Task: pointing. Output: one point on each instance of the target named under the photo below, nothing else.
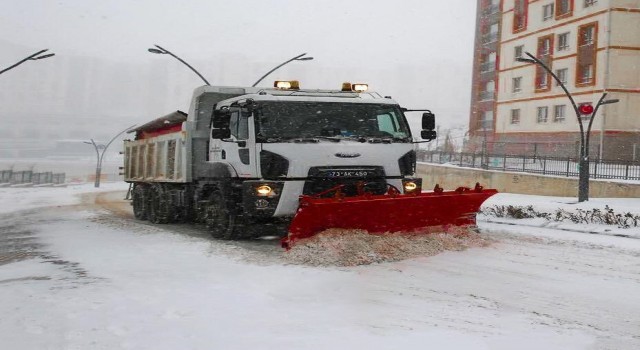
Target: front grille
(323, 178)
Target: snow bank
(569, 204)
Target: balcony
(491, 10)
(489, 38)
(487, 95)
(488, 67)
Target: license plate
(346, 173)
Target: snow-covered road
(75, 275)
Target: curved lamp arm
(162, 50)
(297, 58)
(29, 58)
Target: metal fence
(29, 177)
(545, 165)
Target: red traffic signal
(585, 108)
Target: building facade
(593, 46)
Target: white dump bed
(159, 151)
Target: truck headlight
(260, 198)
(412, 185)
(264, 191)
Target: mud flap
(392, 212)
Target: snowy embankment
(97, 281)
(551, 205)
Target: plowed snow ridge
(337, 247)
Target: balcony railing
(491, 10)
(487, 95)
(489, 38)
(488, 67)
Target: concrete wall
(450, 177)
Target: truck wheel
(159, 205)
(140, 202)
(219, 217)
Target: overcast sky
(427, 36)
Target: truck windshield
(276, 121)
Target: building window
(562, 75)
(564, 8)
(487, 120)
(543, 114)
(543, 80)
(545, 51)
(545, 46)
(488, 93)
(520, 13)
(515, 116)
(588, 3)
(517, 84)
(587, 54)
(559, 113)
(517, 51)
(547, 12)
(586, 35)
(491, 35)
(585, 74)
(563, 41)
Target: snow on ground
(94, 281)
(13, 199)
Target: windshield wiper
(330, 138)
(269, 139)
(314, 139)
(377, 139)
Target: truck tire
(159, 205)
(140, 202)
(220, 217)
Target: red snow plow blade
(390, 212)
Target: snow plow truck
(249, 161)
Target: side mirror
(221, 119)
(220, 133)
(428, 121)
(428, 135)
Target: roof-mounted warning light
(355, 87)
(286, 84)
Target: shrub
(580, 216)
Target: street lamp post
(100, 155)
(297, 58)
(162, 51)
(36, 56)
(583, 164)
(485, 157)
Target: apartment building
(592, 46)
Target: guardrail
(545, 165)
(28, 177)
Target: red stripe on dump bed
(158, 132)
